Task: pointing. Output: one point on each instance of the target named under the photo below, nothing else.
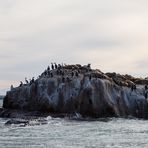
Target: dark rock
(16, 121)
(91, 93)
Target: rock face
(79, 89)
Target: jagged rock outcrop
(79, 89)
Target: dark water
(65, 133)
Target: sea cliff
(72, 89)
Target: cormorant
(45, 72)
(52, 66)
(21, 83)
(59, 66)
(89, 66)
(26, 81)
(56, 66)
(33, 80)
(48, 68)
(11, 87)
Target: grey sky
(110, 34)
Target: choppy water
(64, 133)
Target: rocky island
(76, 89)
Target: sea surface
(65, 133)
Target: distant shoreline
(1, 97)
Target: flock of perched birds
(67, 72)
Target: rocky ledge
(76, 89)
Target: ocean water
(65, 133)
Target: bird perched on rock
(56, 66)
(33, 80)
(21, 83)
(52, 66)
(26, 81)
(59, 66)
(45, 72)
(48, 68)
(89, 66)
(11, 87)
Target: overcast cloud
(110, 34)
